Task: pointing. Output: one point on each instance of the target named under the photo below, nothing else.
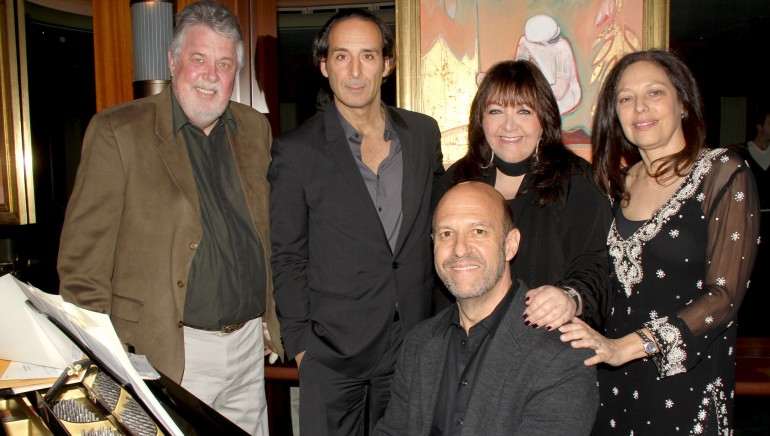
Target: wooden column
(114, 70)
(114, 62)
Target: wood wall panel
(114, 69)
(264, 49)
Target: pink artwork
(574, 42)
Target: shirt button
(180, 324)
(464, 382)
(379, 209)
(464, 342)
(395, 265)
(180, 284)
(193, 245)
(460, 421)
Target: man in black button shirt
(476, 368)
(167, 227)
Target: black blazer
(337, 282)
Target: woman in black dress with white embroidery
(682, 242)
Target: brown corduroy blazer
(133, 223)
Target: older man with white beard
(167, 228)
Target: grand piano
(101, 393)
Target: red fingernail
(548, 328)
(534, 325)
(525, 316)
(526, 322)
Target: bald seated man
(475, 368)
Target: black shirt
(226, 283)
(464, 358)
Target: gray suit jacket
(530, 383)
(133, 222)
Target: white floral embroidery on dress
(670, 360)
(709, 319)
(715, 401)
(735, 236)
(674, 233)
(721, 281)
(626, 253)
(739, 196)
(660, 273)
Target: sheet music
(27, 336)
(95, 331)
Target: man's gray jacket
(530, 383)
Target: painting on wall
(573, 42)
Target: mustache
(454, 260)
(207, 86)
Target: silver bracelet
(575, 295)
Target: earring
(537, 147)
(684, 114)
(490, 161)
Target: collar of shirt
(180, 118)
(353, 135)
(761, 157)
(492, 321)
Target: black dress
(682, 274)
(564, 243)
(751, 316)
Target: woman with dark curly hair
(683, 242)
(515, 145)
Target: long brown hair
(611, 147)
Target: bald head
(467, 194)
(474, 239)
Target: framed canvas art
(445, 47)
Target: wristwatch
(572, 293)
(649, 347)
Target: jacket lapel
(431, 368)
(173, 152)
(337, 147)
(494, 372)
(411, 192)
